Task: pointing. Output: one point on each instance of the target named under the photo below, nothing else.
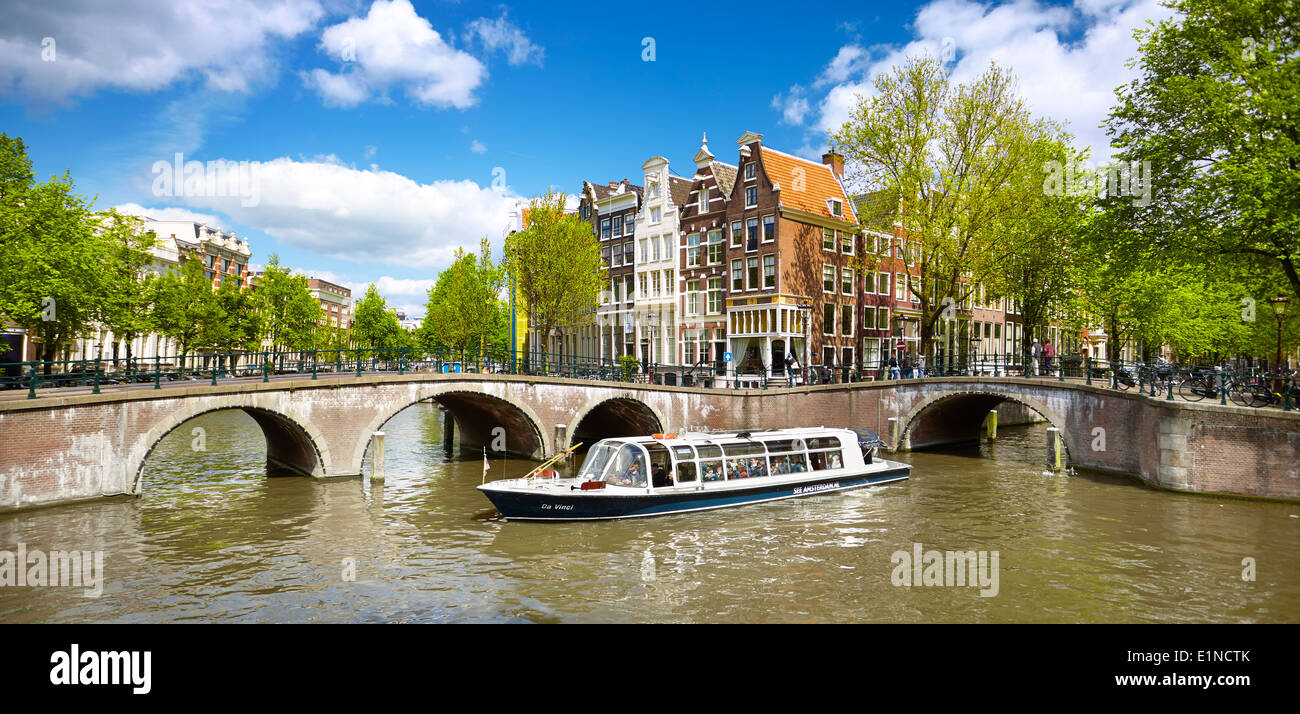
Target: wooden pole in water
(992, 423)
(1055, 449)
(448, 431)
(377, 456)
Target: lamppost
(653, 320)
(974, 349)
(1280, 304)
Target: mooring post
(561, 442)
(448, 431)
(377, 456)
(1055, 449)
(992, 423)
(895, 439)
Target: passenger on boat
(661, 478)
(631, 477)
(711, 473)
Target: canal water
(214, 539)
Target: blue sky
(386, 134)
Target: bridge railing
(1241, 384)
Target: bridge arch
(476, 414)
(609, 417)
(962, 412)
(293, 446)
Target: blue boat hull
(544, 506)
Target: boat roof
(865, 437)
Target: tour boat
(675, 473)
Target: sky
(366, 141)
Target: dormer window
(837, 207)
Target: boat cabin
(698, 460)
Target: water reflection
(214, 539)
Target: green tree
(52, 281)
(128, 301)
(1031, 257)
(376, 327)
(186, 309)
(1214, 111)
(289, 314)
(465, 308)
(555, 265)
(950, 151)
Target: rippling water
(214, 539)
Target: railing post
(1223, 388)
(400, 351)
(157, 371)
(36, 374)
(1286, 394)
(1170, 396)
(96, 390)
(1087, 369)
(213, 365)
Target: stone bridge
(61, 448)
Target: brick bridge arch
(938, 418)
(476, 414)
(292, 445)
(609, 417)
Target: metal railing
(1244, 385)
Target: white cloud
(168, 213)
(392, 45)
(370, 215)
(501, 34)
(477, 147)
(1065, 75)
(793, 106)
(55, 51)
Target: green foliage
(1213, 111)
(376, 326)
(555, 265)
(185, 307)
(465, 308)
(627, 365)
(958, 150)
(289, 312)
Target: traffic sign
(726, 356)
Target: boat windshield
(597, 459)
(628, 467)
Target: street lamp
(1280, 304)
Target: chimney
(836, 162)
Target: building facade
(657, 235)
(612, 209)
(701, 260)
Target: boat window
(743, 447)
(710, 451)
(782, 446)
(825, 453)
(661, 467)
(628, 467)
(596, 460)
(685, 457)
(789, 464)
